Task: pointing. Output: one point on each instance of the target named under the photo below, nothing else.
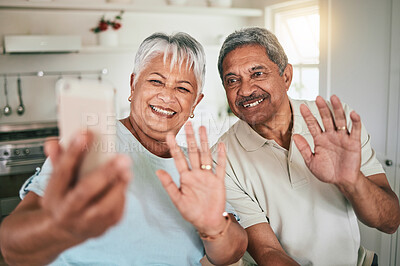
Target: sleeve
(38, 182)
(245, 205)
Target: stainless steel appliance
(21, 153)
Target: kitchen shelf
(243, 12)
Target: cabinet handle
(389, 162)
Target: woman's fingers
(205, 153)
(66, 168)
(192, 146)
(220, 171)
(177, 154)
(95, 184)
(169, 186)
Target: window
(296, 24)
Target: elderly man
(299, 172)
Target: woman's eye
(183, 89)
(156, 82)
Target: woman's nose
(167, 94)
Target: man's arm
(71, 210)
(265, 248)
(374, 202)
(337, 160)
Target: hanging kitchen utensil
(7, 109)
(20, 108)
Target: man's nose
(247, 88)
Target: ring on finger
(341, 128)
(206, 166)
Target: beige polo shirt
(313, 221)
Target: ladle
(20, 108)
(7, 109)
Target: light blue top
(151, 232)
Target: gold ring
(206, 166)
(340, 128)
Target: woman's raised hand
(201, 196)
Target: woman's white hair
(180, 47)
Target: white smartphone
(88, 105)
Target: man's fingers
(340, 117)
(310, 120)
(169, 185)
(304, 148)
(220, 171)
(177, 154)
(356, 127)
(192, 146)
(326, 115)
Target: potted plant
(106, 30)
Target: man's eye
(258, 74)
(232, 81)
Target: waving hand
(337, 153)
(201, 195)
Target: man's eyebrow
(230, 74)
(257, 68)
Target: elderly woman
(106, 218)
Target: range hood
(42, 43)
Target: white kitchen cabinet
(187, 9)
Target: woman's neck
(157, 147)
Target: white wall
(356, 54)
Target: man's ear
(199, 98)
(287, 76)
(131, 82)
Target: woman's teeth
(162, 111)
(253, 103)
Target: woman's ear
(132, 81)
(287, 76)
(199, 98)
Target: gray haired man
(299, 173)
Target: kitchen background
(346, 47)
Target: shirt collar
(251, 140)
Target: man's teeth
(162, 111)
(252, 104)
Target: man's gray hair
(258, 36)
(179, 47)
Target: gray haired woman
(107, 218)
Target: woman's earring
(130, 98)
(191, 116)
